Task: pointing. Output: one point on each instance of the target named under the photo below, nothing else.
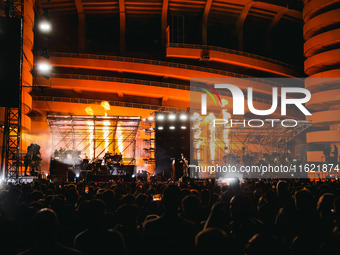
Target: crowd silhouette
(198, 216)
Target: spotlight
(172, 127)
(160, 128)
(44, 67)
(183, 117)
(144, 119)
(172, 116)
(150, 129)
(160, 117)
(133, 176)
(45, 26)
(151, 118)
(46, 174)
(183, 127)
(77, 175)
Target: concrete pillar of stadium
(322, 52)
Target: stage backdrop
(172, 138)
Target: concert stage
(76, 139)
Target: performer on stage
(181, 167)
(85, 163)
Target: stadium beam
(205, 21)
(165, 8)
(81, 25)
(240, 23)
(122, 26)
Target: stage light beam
(106, 106)
(90, 124)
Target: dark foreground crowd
(197, 217)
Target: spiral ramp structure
(321, 32)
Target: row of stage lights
(171, 117)
(159, 118)
(162, 128)
(172, 128)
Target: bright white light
(150, 118)
(228, 181)
(172, 116)
(45, 26)
(172, 127)
(160, 117)
(133, 176)
(160, 128)
(144, 119)
(77, 175)
(46, 174)
(183, 127)
(183, 117)
(44, 67)
(150, 129)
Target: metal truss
(14, 8)
(93, 136)
(12, 130)
(266, 136)
(149, 143)
(253, 140)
